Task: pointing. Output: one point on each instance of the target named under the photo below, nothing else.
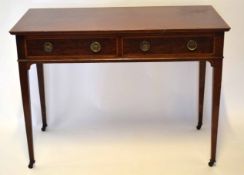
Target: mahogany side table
(120, 34)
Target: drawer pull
(48, 47)
(191, 45)
(145, 46)
(95, 47)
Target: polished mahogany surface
(126, 19)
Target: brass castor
(211, 163)
(31, 164)
(199, 125)
(44, 127)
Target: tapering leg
(202, 72)
(25, 90)
(217, 76)
(40, 75)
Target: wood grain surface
(120, 19)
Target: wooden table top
(120, 19)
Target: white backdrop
(82, 96)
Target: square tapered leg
(202, 72)
(25, 90)
(217, 77)
(40, 75)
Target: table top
(120, 19)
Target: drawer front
(85, 47)
(168, 46)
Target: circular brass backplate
(95, 47)
(48, 47)
(191, 45)
(145, 46)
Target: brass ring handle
(95, 47)
(145, 46)
(48, 47)
(191, 45)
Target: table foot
(211, 163)
(44, 127)
(31, 164)
(199, 125)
